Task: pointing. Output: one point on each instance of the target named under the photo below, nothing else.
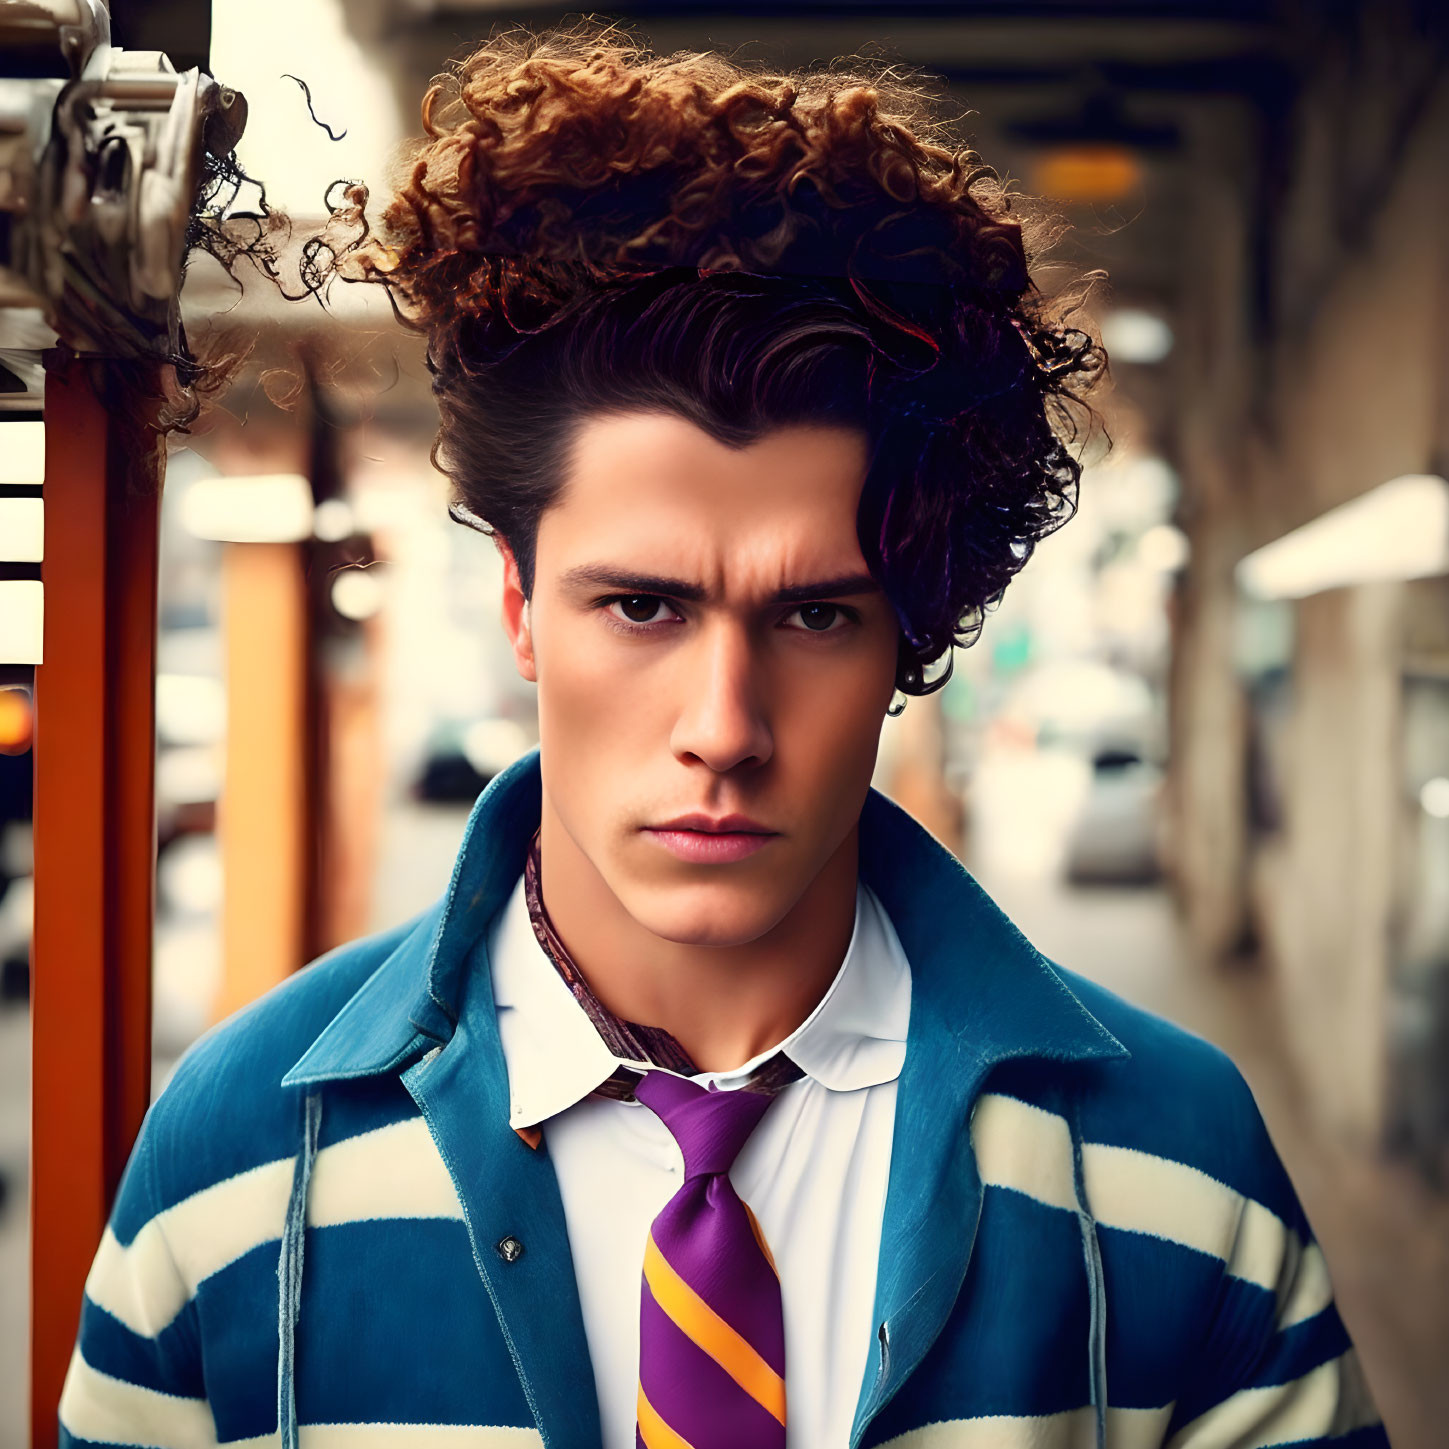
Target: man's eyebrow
(627, 582)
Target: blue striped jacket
(1088, 1240)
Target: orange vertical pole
(263, 819)
(94, 848)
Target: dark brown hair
(588, 227)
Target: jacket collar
(853, 1039)
(975, 978)
(412, 999)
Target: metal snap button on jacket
(510, 1249)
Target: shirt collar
(855, 1037)
(975, 980)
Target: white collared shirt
(814, 1171)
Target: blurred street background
(1201, 751)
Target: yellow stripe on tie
(759, 1233)
(654, 1431)
(700, 1323)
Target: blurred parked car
(460, 757)
(1114, 839)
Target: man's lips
(702, 840)
(721, 825)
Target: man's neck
(724, 1004)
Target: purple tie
(711, 1325)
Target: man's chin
(714, 914)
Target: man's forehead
(655, 495)
(664, 460)
(773, 528)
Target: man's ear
(516, 612)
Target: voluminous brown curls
(571, 184)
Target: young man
(714, 1105)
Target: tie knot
(710, 1126)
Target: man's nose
(723, 716)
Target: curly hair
(587, 226)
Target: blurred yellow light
(15, 722)
(1087, 173)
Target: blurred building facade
(1313, 371)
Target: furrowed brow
(627, 582)
(603, 576)
(826, 589)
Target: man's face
(676, 675)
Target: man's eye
(635, 608)
(820, 618)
